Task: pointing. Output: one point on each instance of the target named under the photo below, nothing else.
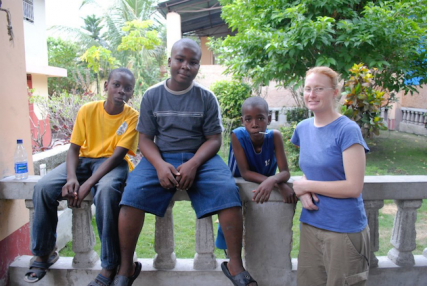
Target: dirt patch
(389, 209)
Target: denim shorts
(213, 188)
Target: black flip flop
(101, 280)
(43, 267)
(121, 280)
(241, 279)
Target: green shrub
(62, 110)
(291, 150)
(363, 101)
(297, 114)
(231, 94)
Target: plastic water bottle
(21, 165)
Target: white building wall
(35, 36)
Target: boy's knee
(43, 189)
(108, 194)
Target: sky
(64, 12)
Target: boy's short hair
(255, 101)
(189, 42)
(123, 70)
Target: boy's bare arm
(165, 171)
(109, 164)
(206, 151)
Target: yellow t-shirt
(98, 133)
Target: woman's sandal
(121, 280)
(241, 279)
(41, 268)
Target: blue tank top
(263, 162)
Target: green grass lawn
(392, 153)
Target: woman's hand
(306, 197)
(307, 201)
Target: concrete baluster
(204, 259)
(404, 116)
(411, 117)
(164, 243)
(404, 233)
(83, 237)
(416, 117)
(420, 120)
(30, 206)
(371, 208)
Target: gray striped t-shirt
(180, 121)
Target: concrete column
(372, 208)
(404, 234)
(273, 115)
(30, 206)
(164, 243)
(83, 237)
(204, 258)
(267, 241)
(173, 30)
(207, 55)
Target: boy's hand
(262, 193)
(166, 174)
(82, 193)
(70, 190)
(187, 174)
(287, 193)
(307, 201)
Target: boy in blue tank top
(255, 154)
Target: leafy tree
(115, 17)
(98, 58)
(135, 38)
(279, 40)
(86, 36)
(141, 41)
(65, 54)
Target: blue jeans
(213, 188)
(106, 192)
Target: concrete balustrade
(267, 240)
(414, 120)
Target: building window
(29, 11)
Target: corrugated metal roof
(198, 17)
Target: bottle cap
(19, 141)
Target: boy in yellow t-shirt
(103, 134)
